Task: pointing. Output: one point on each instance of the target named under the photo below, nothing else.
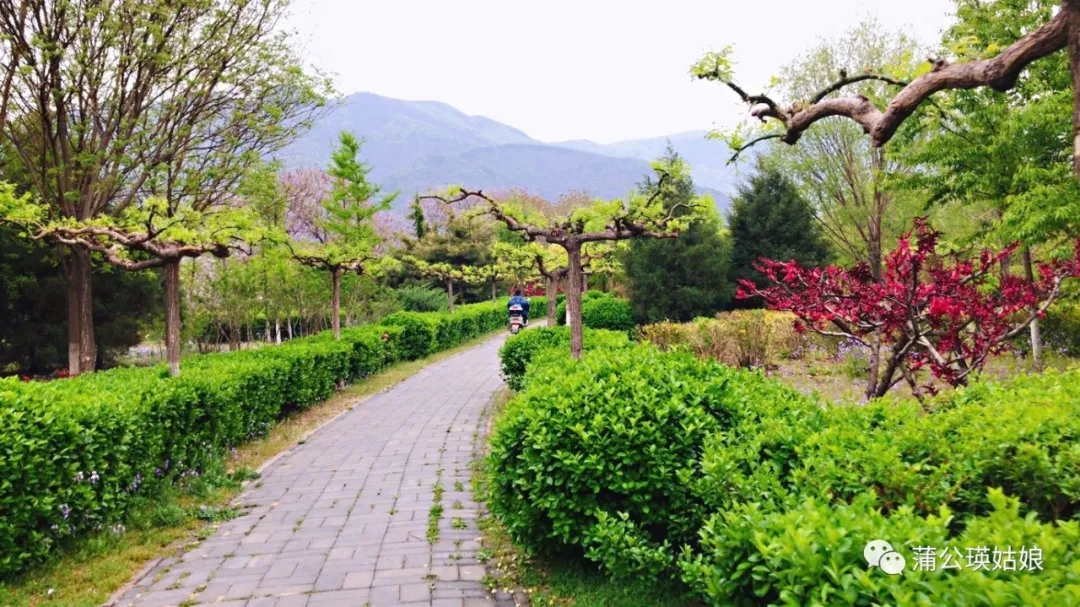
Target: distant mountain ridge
(417, 146)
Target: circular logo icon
(873, 551)
(892, 563)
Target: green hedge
(606, 451)
(560, 309)
(74, 452)
(518, 351)
(608, 313)
(660, 465)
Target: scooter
(517, 320)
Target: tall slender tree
(340, 235)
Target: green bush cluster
(75, 453)
(657, 464)
(619, 432)
(587, 296)
(607, 313)
(518, 351)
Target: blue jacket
(522, 301)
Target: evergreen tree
(343, 229)
(686, 277)
(770, 219)
(416, 216)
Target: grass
(844, 381)
(551, 583)
(87, 573)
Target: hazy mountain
(708, 158)
(416, 146)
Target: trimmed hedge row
(587, 296)
(74, 452)
(518, 351)
(659, 465)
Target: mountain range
(417, 146)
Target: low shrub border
(518, 351)
(73, 453)
(656, 465)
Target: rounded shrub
(607, 313)
(418, 339)
(1020, 436)
(601, 455)
(519, 350)
(560, 309)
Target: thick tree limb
(110, 242)
(999, 73)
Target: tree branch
(847, 80)
(999, 73)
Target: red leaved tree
(949, 317)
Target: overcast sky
(604, 70)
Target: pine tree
(683, 278)
(771, 219)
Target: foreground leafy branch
(999, 72)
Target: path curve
(342, 519)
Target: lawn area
(842, 381)
(177, 518)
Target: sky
(586, 69)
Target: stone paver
(342, 519)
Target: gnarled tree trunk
(82, 345)
(335, 318)
(172, 316)
(551, 292)
(450, 294)
(573, 299)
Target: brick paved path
(342, 519)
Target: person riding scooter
(518, 300)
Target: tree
(443, 272)
(33, 338)
(134, 121)
(340, 236)
(834, 165)
(769, 219)
(999, 72)
(416, 216)
(518, 262)
(491, 274)
(639, 216)
(1005, 158)
(684, 278)
(948, 317)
